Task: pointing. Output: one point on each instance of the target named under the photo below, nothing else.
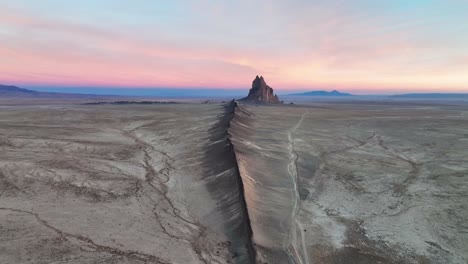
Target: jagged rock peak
(261, 92)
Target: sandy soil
(323, 183)
(118, 184)
(355, 183)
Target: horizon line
(69, 89)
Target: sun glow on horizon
(365, 46)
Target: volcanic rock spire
(261, 92)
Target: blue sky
(357, 46)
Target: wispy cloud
(375, 45)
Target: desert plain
(365, 182)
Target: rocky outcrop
(261, 92)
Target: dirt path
(293, 252)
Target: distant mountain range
(14, 91)
(9, 90)
(322, 93)
(431, 95)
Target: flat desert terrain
(119, 184)
(355, 183)
(207, 183)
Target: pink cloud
(330, 48)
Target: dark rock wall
(261, 92)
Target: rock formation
(261, 92)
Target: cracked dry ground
(355, 183)
(117, 184)
(326, 183)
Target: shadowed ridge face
(261, 92)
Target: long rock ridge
(230, 109)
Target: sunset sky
(356, 46)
